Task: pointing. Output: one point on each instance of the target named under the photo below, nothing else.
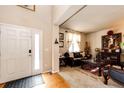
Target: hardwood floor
(78, 78)
(67, 77)
(2, 85)
(54, 81)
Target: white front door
(24, 50)
(16, 52)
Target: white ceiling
(95, 17)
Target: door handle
(29, 50)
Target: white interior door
(15, 48)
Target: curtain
(69, 39)
(73, 42)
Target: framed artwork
(111, 41)
(61, 44)
(61, 36)
(29, 7)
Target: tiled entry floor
(28, 82)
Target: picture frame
(61, 44)
(61, 36)
(29, 7)
(111, 41)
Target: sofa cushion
(117, 75)
(66, 54)
(77, 55)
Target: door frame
(33, 31)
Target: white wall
(55, 49)
(94, 40)
(40, 19)
(64, 49)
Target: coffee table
(91, 65)
(88, 64)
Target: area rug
(90, 67)
(79, 78)
(28, 82)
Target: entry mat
(28, 82)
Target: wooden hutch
(111, 49)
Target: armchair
(77, 58)
(73, 61)
(68, 60)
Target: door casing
(2, 39)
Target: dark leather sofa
(73, 61)
(68, 60)
(77, 58)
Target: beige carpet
(78, 78)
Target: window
(37, 62)
(74, 42)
